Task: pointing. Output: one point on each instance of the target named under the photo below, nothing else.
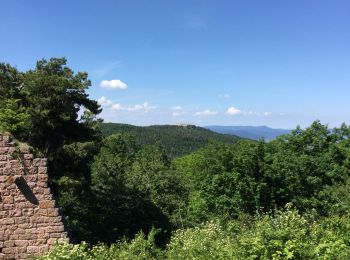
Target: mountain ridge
(251, 132)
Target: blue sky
(250, 62)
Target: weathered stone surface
(30, 223)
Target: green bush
(140, 247)
(207, 241)
(281, 235)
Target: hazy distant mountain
(251, 132)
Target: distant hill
(251, 132)
(177, 140)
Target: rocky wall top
(30, 222)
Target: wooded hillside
(176, 140)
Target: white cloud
(233, 111)
(103, 101)
(226, 96)
(177, 111)
(145, 107)
(206, 112)
(116, 107)
(250, 113)
(113, 84)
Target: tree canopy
(47, 101)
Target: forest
(176, 140)
(175, 192)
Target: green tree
(11, 82)
(152, 177)
(120, 210)
(13, 116)
(54, 97)
(47, 101)
(303, 166)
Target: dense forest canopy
(230, 199)
(176, 140)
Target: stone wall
(29, 219)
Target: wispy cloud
(206, 112)
(143, 107)
(113, 84)
(177, 111)
(233, 111)
(106, 103)
(103, 101)
(225, 96)
(107, 68)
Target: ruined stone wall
(29, 220)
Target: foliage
(309, 168)
(141, 247)
(13, 118)
(282, 234)
(151, 176)
(52, 95)
(206, 241)
(175, 140)
(289, 235)
(11, 82)
(132, 190)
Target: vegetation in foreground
(225, 201)
(282, 235)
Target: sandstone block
(55, 235)
(52, 212)
(21, 243)
(55, 229)
(46, 204)
(42, 170)
(7, 221)
(7, 199)
(9, 243)
(32, 249)
(19, 231)
(21, 220)
(9, 250)
(37, 242)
